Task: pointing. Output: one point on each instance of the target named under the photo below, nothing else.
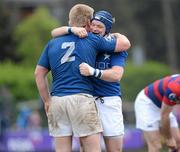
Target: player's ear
(69, 23)
(88, 24)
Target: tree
(32, 34)
(6, 41)
(170, 35)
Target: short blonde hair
(80, 14)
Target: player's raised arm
(59, 31)
(79, 31)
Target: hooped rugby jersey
(165, 90)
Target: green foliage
(20, 81)
(32, 34)
(6, 41)
(137, 77)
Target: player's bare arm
(42, 85)
(122, 42)
(165, 126)
(79, 31)
(111, 75)
(59, 31)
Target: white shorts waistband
(109, 97)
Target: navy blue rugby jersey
(62, 57)
(106, 61)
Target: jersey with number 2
(63, 55)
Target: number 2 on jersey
(70, 46)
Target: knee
(155, 146)
(114, 149)
(158, 146)
(178, 142)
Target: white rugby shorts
(110, 111)
(148, 114)
(75, 115)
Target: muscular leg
(91, 143)
(114, 144)
(63, 144)
(81, 147)
(153, 140)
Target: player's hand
(86, 70)
(79, 31)
(173, 150)
(171, 143)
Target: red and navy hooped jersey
(165, 90)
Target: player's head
(175, 89)
(80, 15)
(102, 22)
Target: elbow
(53, 33)
(122, 45)
(126, 45)
(117, 77)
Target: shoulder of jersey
(109, 37)
(175, 75)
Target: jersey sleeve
(169, 97)
(44, 60)
(106, 44)
(119, 59)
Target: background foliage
(32, 34)
(137, 77)
(20, 80)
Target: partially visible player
(153, 108)
(106, 75)
(107, 85)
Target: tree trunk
(169, 35)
